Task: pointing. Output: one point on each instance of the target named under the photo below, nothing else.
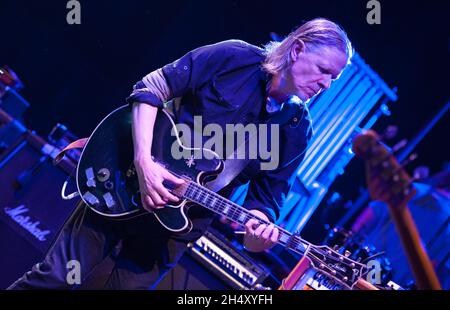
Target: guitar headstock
(387, 181)
(337, 266)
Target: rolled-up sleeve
(152, 89)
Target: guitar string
(199, 190)
(220, 201)
(236, 208)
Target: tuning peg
(399, 145)
(336, 247)
(347, 253)
(413, 156)
(409, 160)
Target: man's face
(313, 70)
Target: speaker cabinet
(31, 208)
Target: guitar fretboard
(238, 214)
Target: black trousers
(112, 254)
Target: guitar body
(107, 180)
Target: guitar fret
(196, 193)
(284, 238)
(223, 207)
(232, 214)
(226, 209)
(187, 193)
(203, 197)
(213, 202)
(242, 217)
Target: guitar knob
(109, 185)
(345, 279)
(103, 174)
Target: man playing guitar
(228, 82)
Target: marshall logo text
(17, 214)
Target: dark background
(76, 74)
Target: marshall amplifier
(31, 208)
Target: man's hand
(151, 176)
(257, 237)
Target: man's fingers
(275, 235)
(147, 203)
(157, 200)
(249, 226)
(272, 238)
(166, 195)
(266, 233)
(170, 177)
(259, 230)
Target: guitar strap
(78, 144)
(232, 165)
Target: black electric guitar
(107, 182)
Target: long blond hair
(315, 33)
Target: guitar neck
(220, 205)
(418, 259)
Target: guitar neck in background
(421, 266)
